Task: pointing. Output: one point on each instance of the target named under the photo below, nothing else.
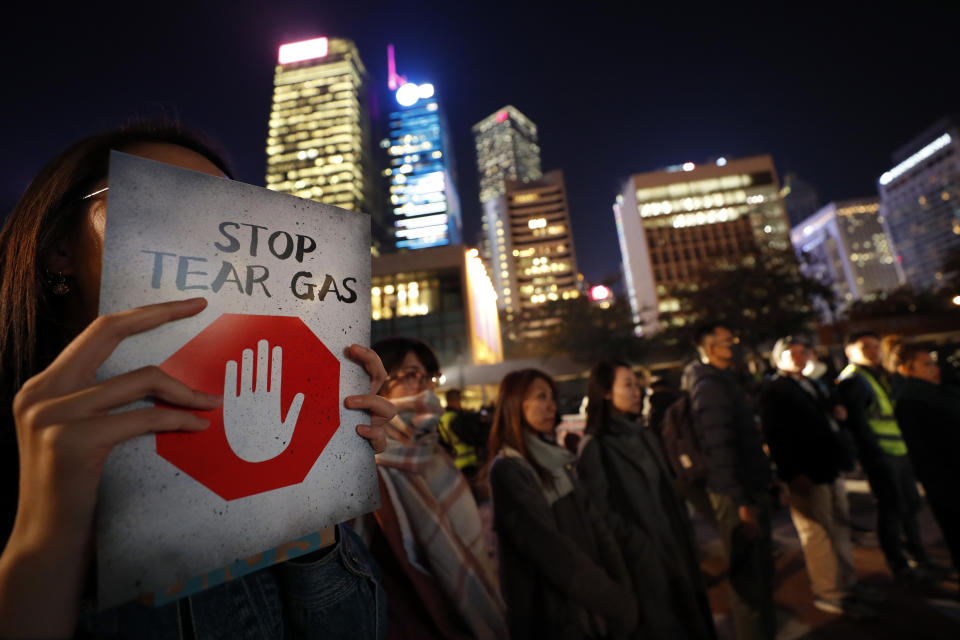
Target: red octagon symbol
(308, 368)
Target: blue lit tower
(423, 193)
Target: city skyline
(641, 89)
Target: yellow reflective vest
(880, 412)
(464, 454)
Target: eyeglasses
(414, 377)
(95, 193)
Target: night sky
(615, 88)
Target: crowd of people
(587, 538)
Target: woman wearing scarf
(560, 568)
(427, 535)
(622, 468)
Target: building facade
(844, 246)
(441, 295)
(921, 203)
(318, 145)
(537, 263)
(673, 223)
(507, 149)
(421, 174)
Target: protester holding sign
(561, 568)
(622, 467)
(428, 536)
(60, 426)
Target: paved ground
(909, 614)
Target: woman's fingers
(115, 428)
(376, 436)
(95, 343)
(376, 405)
(147, 382)
(371, 363)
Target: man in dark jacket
(737, 479)
(800, 423)
(866, 393)
(929, 418)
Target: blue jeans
(336, 596)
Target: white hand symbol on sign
(253, 418)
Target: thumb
(294, 412)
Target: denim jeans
(336, 596)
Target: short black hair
(454, 394)
(705, 330)
(393, 350)
(856, 336)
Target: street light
(956, 300)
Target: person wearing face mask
(427, 535)
(929, 417)
(58, 426)
(561, 569)
(622, 467)
(738, 478)
(800, 421)
(866, 393)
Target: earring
(59, 284)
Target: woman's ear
(59, 259)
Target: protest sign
(287, 281)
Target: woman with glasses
(58, 426)
(427, 535)
(562, 572)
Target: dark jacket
(559, 563)
(798, 431)
(627, 477)
(929, 419)
(723, 420)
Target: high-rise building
(318, 146)
(422, 178)
(799, 197)
(537, 263)
(672, 223)
(921, 203)
(844, 247)
(507, 149)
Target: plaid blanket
(439, 522)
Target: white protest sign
(288, 284)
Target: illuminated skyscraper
(507, 149)
(318, 146)
(538, 263)
(921, 202)
(844, 246)
(674, 222)
(423, 194)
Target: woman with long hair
(58, 426)
(561, 571)
(427, 536)
(623, 469)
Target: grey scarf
(555, 460)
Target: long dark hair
(508, 420)
(33, 326)
(599, 386)
(393, 350)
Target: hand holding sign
(253, 417)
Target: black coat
(723, 421)
(798, 431)
(560, 565)
(627, 477)
(929, 419)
